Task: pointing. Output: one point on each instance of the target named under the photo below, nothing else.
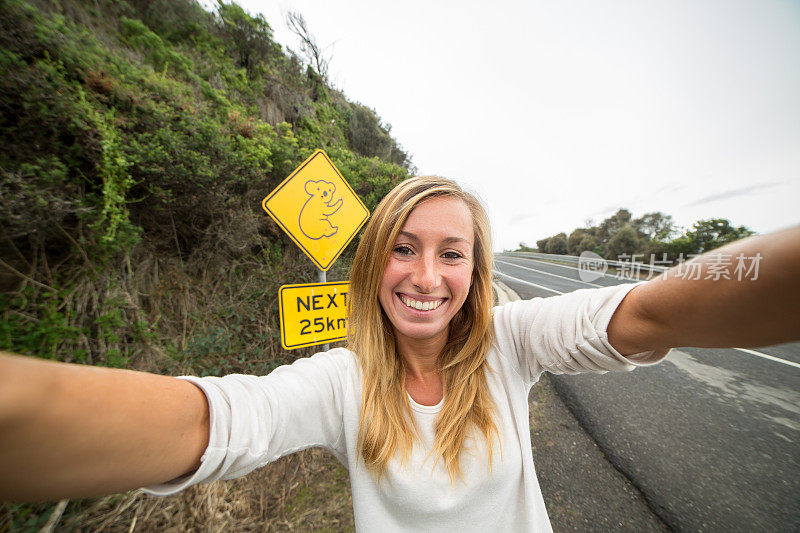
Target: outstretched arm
(69, 431)
(673, 310)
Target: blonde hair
(386, 426)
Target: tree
(176, 20)
(251, 36)
(624, 241)
(715, 232)
(574, 240)
(541, 245)
(680, 248)
(655, 226)
(588, 243)
(308, 44)
(557, 244)
(611, 225)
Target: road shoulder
(582, 490)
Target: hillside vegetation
(139, 138)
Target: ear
(310, 186)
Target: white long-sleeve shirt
(316, 402)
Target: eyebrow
(446, 240)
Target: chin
(421, 332)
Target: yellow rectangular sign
(313, 313)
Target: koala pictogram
(314, 215)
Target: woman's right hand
(75, 431)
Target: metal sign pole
(322, 277)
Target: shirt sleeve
(566, 334)
(255, 420)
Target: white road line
(526, 282)
(745, 350)
(544, 262)
(604, 274)
(537, 261)
(547, 273)
(770, 357)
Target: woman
(428, 405)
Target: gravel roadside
(582, 489)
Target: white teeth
(421, 306)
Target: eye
(402, 250)
(452, 255)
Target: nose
(425, 276)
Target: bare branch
(314, 54)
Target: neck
(421, 356)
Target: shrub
(556, 244)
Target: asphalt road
(710, 436)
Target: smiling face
(429, 272)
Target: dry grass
(180, 302)
(306, 491)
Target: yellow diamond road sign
(318, 209)
(313, 313)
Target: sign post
(321, 212)
(322, 277)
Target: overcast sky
(558, 112)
